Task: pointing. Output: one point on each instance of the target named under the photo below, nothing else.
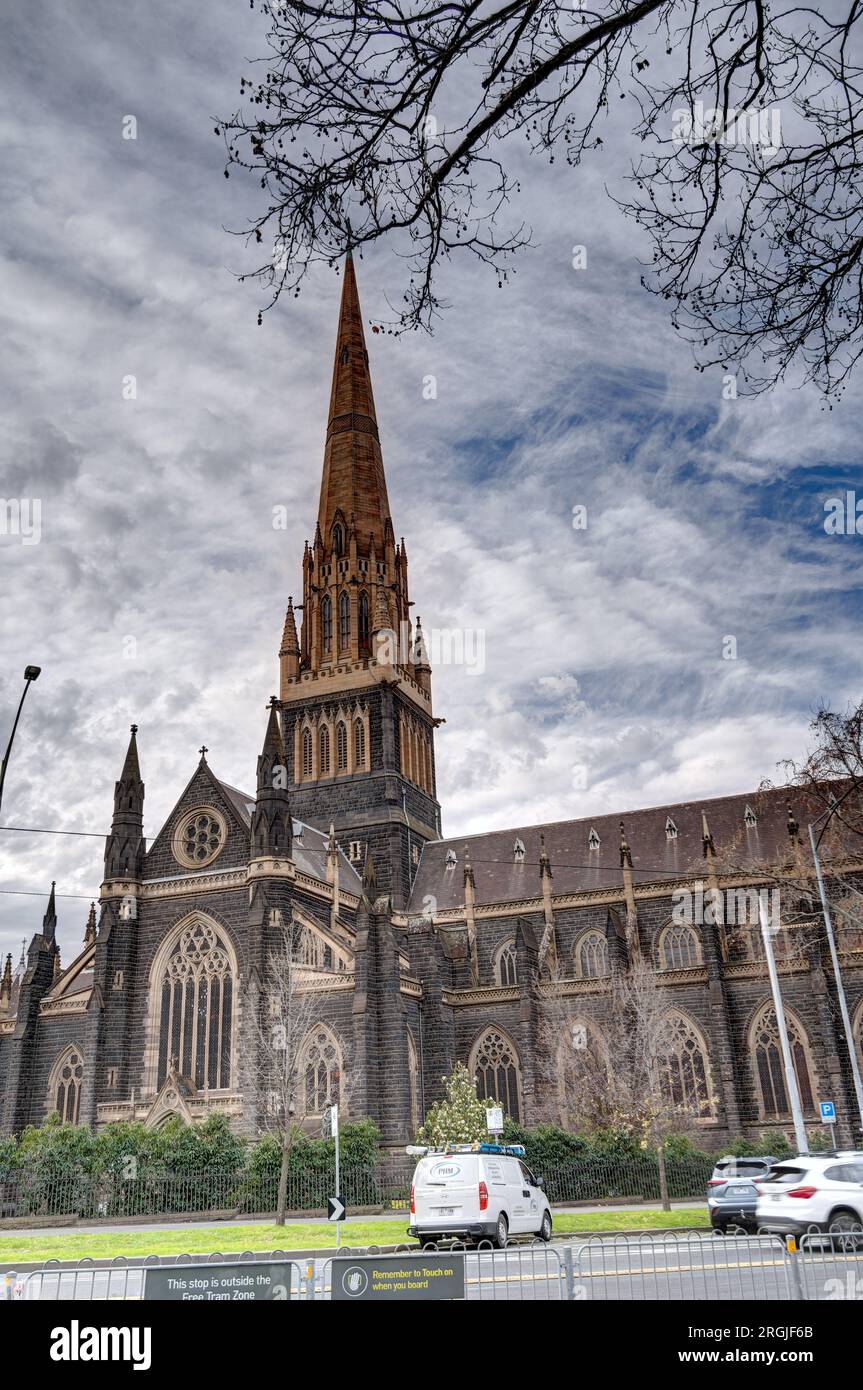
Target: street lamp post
(834, 956)
(31, 673)
(782, 1028)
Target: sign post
(335, 1205)
(828, 1117)
(494, 1121)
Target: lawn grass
(567, 1222)
(18, 1248)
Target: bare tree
(280, 1019)
(399, 119)
(630, 1073)
(824, 788)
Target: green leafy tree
(461, 1118)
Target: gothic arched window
(326, 624)
(679, 948)
(591, 956)
(64, 1085)
(320, 1070)
(344, 620)
(364, 622)
(684, 1065)
(307, 753)
(341, 747)
(766, 1051)
(494, 1063)
(195, 993)
(359, 745)
(324, 749)
(507, 967)
(338, 540)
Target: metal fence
(684, 1267)
(156, 1192)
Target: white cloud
(604, 686)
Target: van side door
(534, 1202)
(518, 1195)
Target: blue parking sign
(828, 1112)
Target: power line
(39, 830)
(32, 893)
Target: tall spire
(124, 847)
(272, 826)
(49, 921)
(90, 929)
(353, 487)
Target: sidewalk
(106, 1228)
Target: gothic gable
(208, 829)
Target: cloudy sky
(157, 590)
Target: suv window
(741, 1167)
(783, 1173)
(845, 1172)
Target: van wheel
(501, 1235)
(545, 1228)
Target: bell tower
(355, 683)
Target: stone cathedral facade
(421, 951)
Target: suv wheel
(846, 1229)
(501, 1234)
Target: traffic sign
(828, 1112)
(336, 1209)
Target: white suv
(485, 1193)
(813, 1192)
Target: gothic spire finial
(370, 878)
(544, 861)
(90, 929)
(49, 921)
(131, 770)
(625, 852)
(124, 847)
(6, 981)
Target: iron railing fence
(156, 1192)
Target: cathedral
(421, 951)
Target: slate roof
(309, 851)
(578, 868)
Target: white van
(479, 1192)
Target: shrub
(459, 1119)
